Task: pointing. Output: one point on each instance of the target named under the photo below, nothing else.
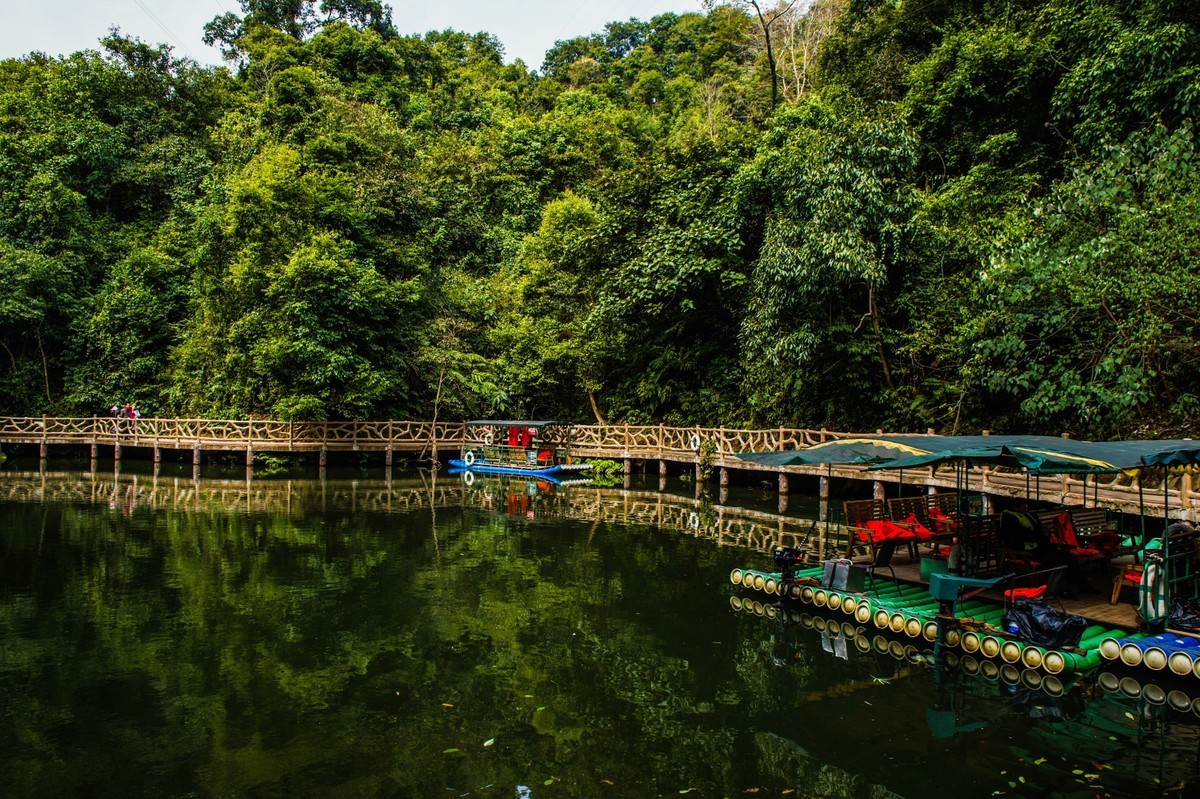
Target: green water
(360, 638)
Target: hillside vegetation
(952, 214)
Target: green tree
(833, 185)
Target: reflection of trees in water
(235, 650)
(268, 649)
(727, 525)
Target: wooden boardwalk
(697, 448)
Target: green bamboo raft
(909, 610)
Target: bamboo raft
(909, 610)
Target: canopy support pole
(1142, 505)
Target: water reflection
(419, 637)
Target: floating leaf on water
(1129, 715)
(1021, 780)
(1012, 784)
(1077, 771)
(444, 704)
(1091, 776)
(1039, 761)
(489, 742)
(450, 751)
(549, 781)
(608, 782)
(788, 791)
(529, 696)
(540, 709)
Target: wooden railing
(648, 441)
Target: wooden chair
(854, 513)
(920, 506)
(859, 511)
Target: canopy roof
(1038, 454)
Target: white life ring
(694, 441)
(487, 438)
(469, 458)
(468, 478)
(694, 521)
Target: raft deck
(1094, 607)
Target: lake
(418, 637)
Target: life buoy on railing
(694, 441)
(468, 478)
(487, 438)
(694, 521)
(469, 458)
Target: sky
(527, 28)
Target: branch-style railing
(637, 442)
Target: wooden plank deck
(1095, 607)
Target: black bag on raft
(1185, 614)
(1035, 622)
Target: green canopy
(1037, 454)
(857, 450)
(908, 451)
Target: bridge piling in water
(697, 449)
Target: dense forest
(847, 213)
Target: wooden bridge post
(880, 490)
(627, 465)
(387, 456)
(157, 454)
(723, 476)
(784, 484)
(249, 456)
(94, 457)
(323, 458)
(117, 452)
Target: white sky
(527, 28)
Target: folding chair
(1041, 584)
(882, 554)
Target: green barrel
(1056, 662)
